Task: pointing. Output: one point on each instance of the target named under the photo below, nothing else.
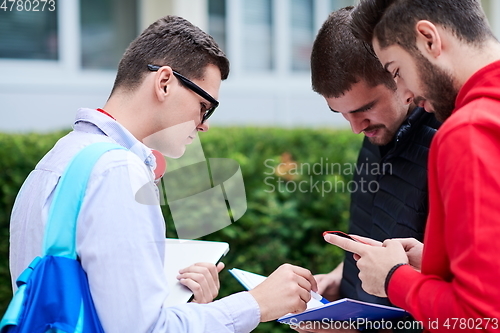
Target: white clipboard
(180, 254)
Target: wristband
(389, 276)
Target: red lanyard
(107, 114)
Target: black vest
(392, 198)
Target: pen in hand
(318, 297)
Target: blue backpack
(53, 292)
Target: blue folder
(343, 309)
(346, 309)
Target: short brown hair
(170, 41)
(339, 60)
(393, 21)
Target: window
(302, 26)
(216, 22)
(29, 35)
(337, 4)
(272, 36)
(257, 35)
(108, 27)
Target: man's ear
(163, 82)
(428, 39)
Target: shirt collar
(92, 121)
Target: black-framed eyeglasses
(195, 88)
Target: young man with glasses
(166, 86)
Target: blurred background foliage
(280, 226)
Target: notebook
(342, 309)
(180, 254)
(251, 280)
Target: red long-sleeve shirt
(459, 287)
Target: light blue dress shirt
(120, 242)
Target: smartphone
(343, 234)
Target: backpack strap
(60, 231)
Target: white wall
(44, 95)
(279, 98)
(273, 102)
(34, 100)
(492, 9)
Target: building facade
(55, 60)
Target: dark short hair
(339, 60)
(393, 21)
(170, 41)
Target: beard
(438, 87)
(385, 135)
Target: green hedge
(284, 225)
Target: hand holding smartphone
(343, 234)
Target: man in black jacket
(394, 152)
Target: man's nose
(203, 127)
(358, 122)
(405, 94)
